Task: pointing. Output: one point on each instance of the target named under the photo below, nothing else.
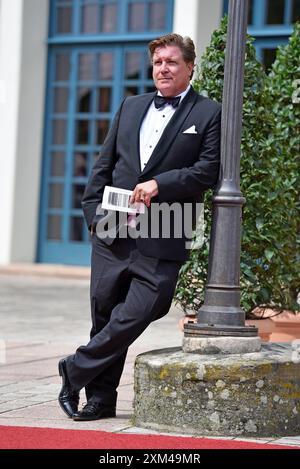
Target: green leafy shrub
(268, 236)
(283, 88)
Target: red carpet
(53, 438)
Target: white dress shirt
(153, 125)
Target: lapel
(171, 131)
(136, 123)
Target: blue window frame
(270, 23)
(89, 73)
(109, 17)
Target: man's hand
(144, 192)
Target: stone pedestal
(253, 394)
(224, 345)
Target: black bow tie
(160, 101)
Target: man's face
(171, 74)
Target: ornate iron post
(221, 313)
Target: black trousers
(128, 291)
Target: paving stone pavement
(45, 318)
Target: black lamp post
(221, 313)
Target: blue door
(95, 59)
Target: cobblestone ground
(41, 320)
(45, 318)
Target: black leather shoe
(95, 411)
(68, 398)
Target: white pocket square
(190, 130)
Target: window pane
(76, 229)
(104, 99)
(95, 158)
(296, 11)
(136, 17)
(131, 91)
(250, 12)
(148, 69)
(269, 56)
(275, 11)
(102, 129)
(105, 66)
(85, 68)
(133, 65)
(82, 133)
(61, 97)
(54, 227)
(90, 19)
(59, 132)
(56, 194)
(109, 18)
(84, 98)
(157, 16)
(64, 20)
(57, 164)
(80, 165)
(77, 193)
(62, 67)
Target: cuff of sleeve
(161, 181)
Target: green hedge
(283, 88)
(269, 266)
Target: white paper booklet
(117, 199)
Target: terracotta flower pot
(272, 327)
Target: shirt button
(164, 115)
(150, 146)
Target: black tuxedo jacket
(184, 165)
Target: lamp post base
(219, 338)
(223, 345)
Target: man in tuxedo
(165, 147)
